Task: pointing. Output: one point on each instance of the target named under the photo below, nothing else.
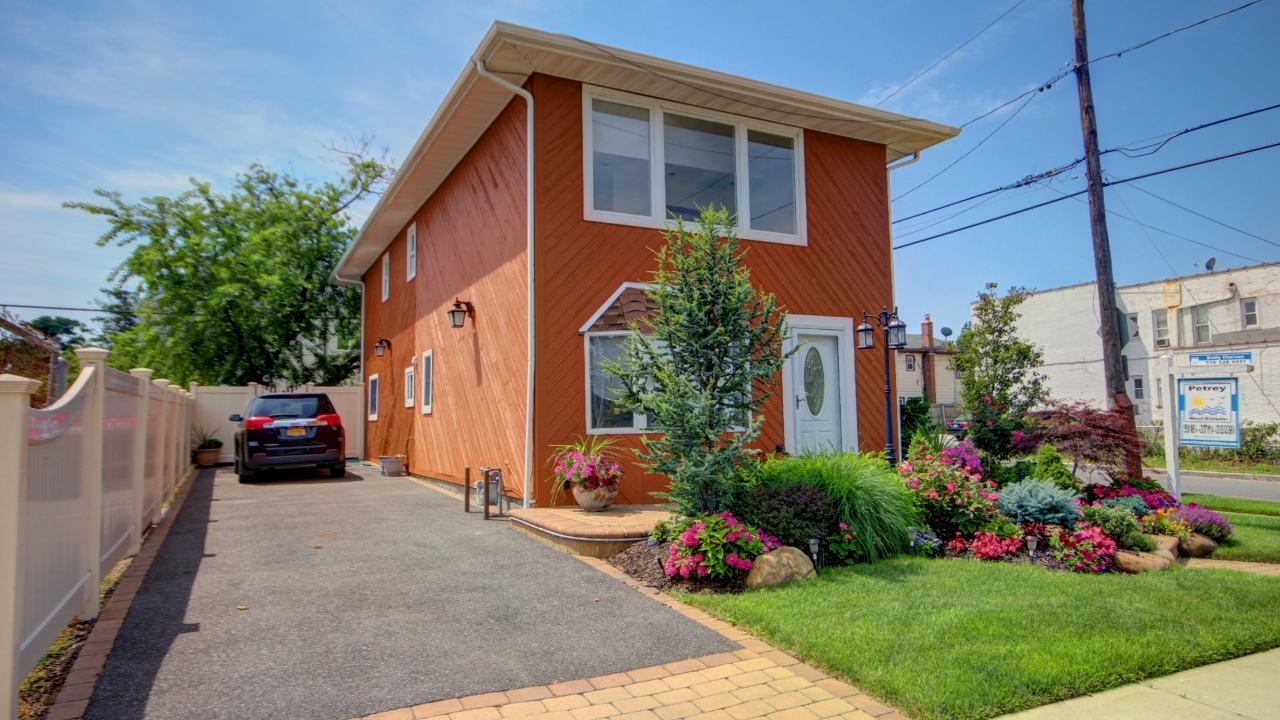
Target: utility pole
(1111, 363)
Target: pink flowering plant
(715, 546)
(949, 495)
(843, 543)
(1087, 549)
(587, 463)
(990, 546)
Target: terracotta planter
(207, 457)
(597, 499)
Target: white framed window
(645, 159)
(605, 413)
(1250, 310)
(373, 398)
(1133, 326)
(411, 252)
(911, 363)
(1160, 320)
(1139, 391)
(386, 277)
(428, 380)
(410, 386)
(1201, 322)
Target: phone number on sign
(1208, 429)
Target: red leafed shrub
(1088, 435)
(989, 546)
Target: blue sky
(139, 96)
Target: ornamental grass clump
(1039, 501)
(948, 495)
(1087, 549)
(1205, 521)
(715, 546)
(864, 493)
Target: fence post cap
(162, 382)
(92, 354)
(17, 385)
(144, 373)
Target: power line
(1034, 178)
(1174, 32)
(52, 307)
(1206, 217)
(953, 52)
(1081, 192)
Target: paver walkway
(329, 599)
(1249, 567)
(1242, 688)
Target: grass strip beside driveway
(1254, 538)
(1235, 505)
(944, 639)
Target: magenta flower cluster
(1087, 549)
(989, 546)
(964, 456)
(716, 546)
(587, 471)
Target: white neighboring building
(1235, 311)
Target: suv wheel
(338, 469)
(244, 473)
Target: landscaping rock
(782, 565)
(1197, 545)
(1166, 546)
(1136, 562)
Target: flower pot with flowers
(586, 467)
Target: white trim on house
(428, 380)
(411, 252)
(657, 217)
(410, 386)
(612, 299)
(638, 422)
(374, 390)
(842, 328)
(386, 277)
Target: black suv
(282, 430)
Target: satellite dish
(1210, 263)
(946, 332)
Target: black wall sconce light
(462, 309)
(380, 348)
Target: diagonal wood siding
(845, 269)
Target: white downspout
(528, 417)
(339, 280)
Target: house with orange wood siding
(531, 205)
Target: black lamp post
(895, 337)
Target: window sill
(650, 222)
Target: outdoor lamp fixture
(380, 348)
(1032, 542)
(911, 533)
(895, 338)
(462, 309)
(813, 550)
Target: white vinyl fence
(215, 403)
(79, 483)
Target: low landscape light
(380, 347)
(1032, 542)
(462, 309)
(912, 532)
(813, 550)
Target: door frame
(842, 329)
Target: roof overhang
(515, 53)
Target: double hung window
(411, 252)
(1250, 308)
(1160, 319)
(911, 362)
(648, 162)
(1139, 391)
(1202, 325)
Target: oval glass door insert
(815, 383)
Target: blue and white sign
(1235, 358)
(1209, 412)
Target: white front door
(816, 371)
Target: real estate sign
(1235, 358)
(1209, 412)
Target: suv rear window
(290, 406)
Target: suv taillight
(256, 422)
(330, 419)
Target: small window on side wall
(911, 362)
(428, 380)
(411, 252)
(605, 411)
(410, 385)
(1250, 313)
(1139, 390)
(386, 277)
(373, 398)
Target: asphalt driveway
(364, 594)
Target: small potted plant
(208, 447)
(586, 467)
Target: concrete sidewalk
(1242, 688)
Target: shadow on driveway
(363, 594)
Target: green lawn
(1208, 465)
(1253, 538)
(967, 639)
(1235, 505)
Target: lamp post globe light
(895, 338)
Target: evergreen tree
(703, 364)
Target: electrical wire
(1174, 32)
(944, 58)
(1081, 192)
(1206, 217)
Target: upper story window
(911, 362)
(1201, 325)
(386, 277)
(411, 252)
(1250, 308)
(1160, 320)
(647, 161)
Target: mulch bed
(643, 562)
(41, 687)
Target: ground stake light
(813, 550)
(1032, 542)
